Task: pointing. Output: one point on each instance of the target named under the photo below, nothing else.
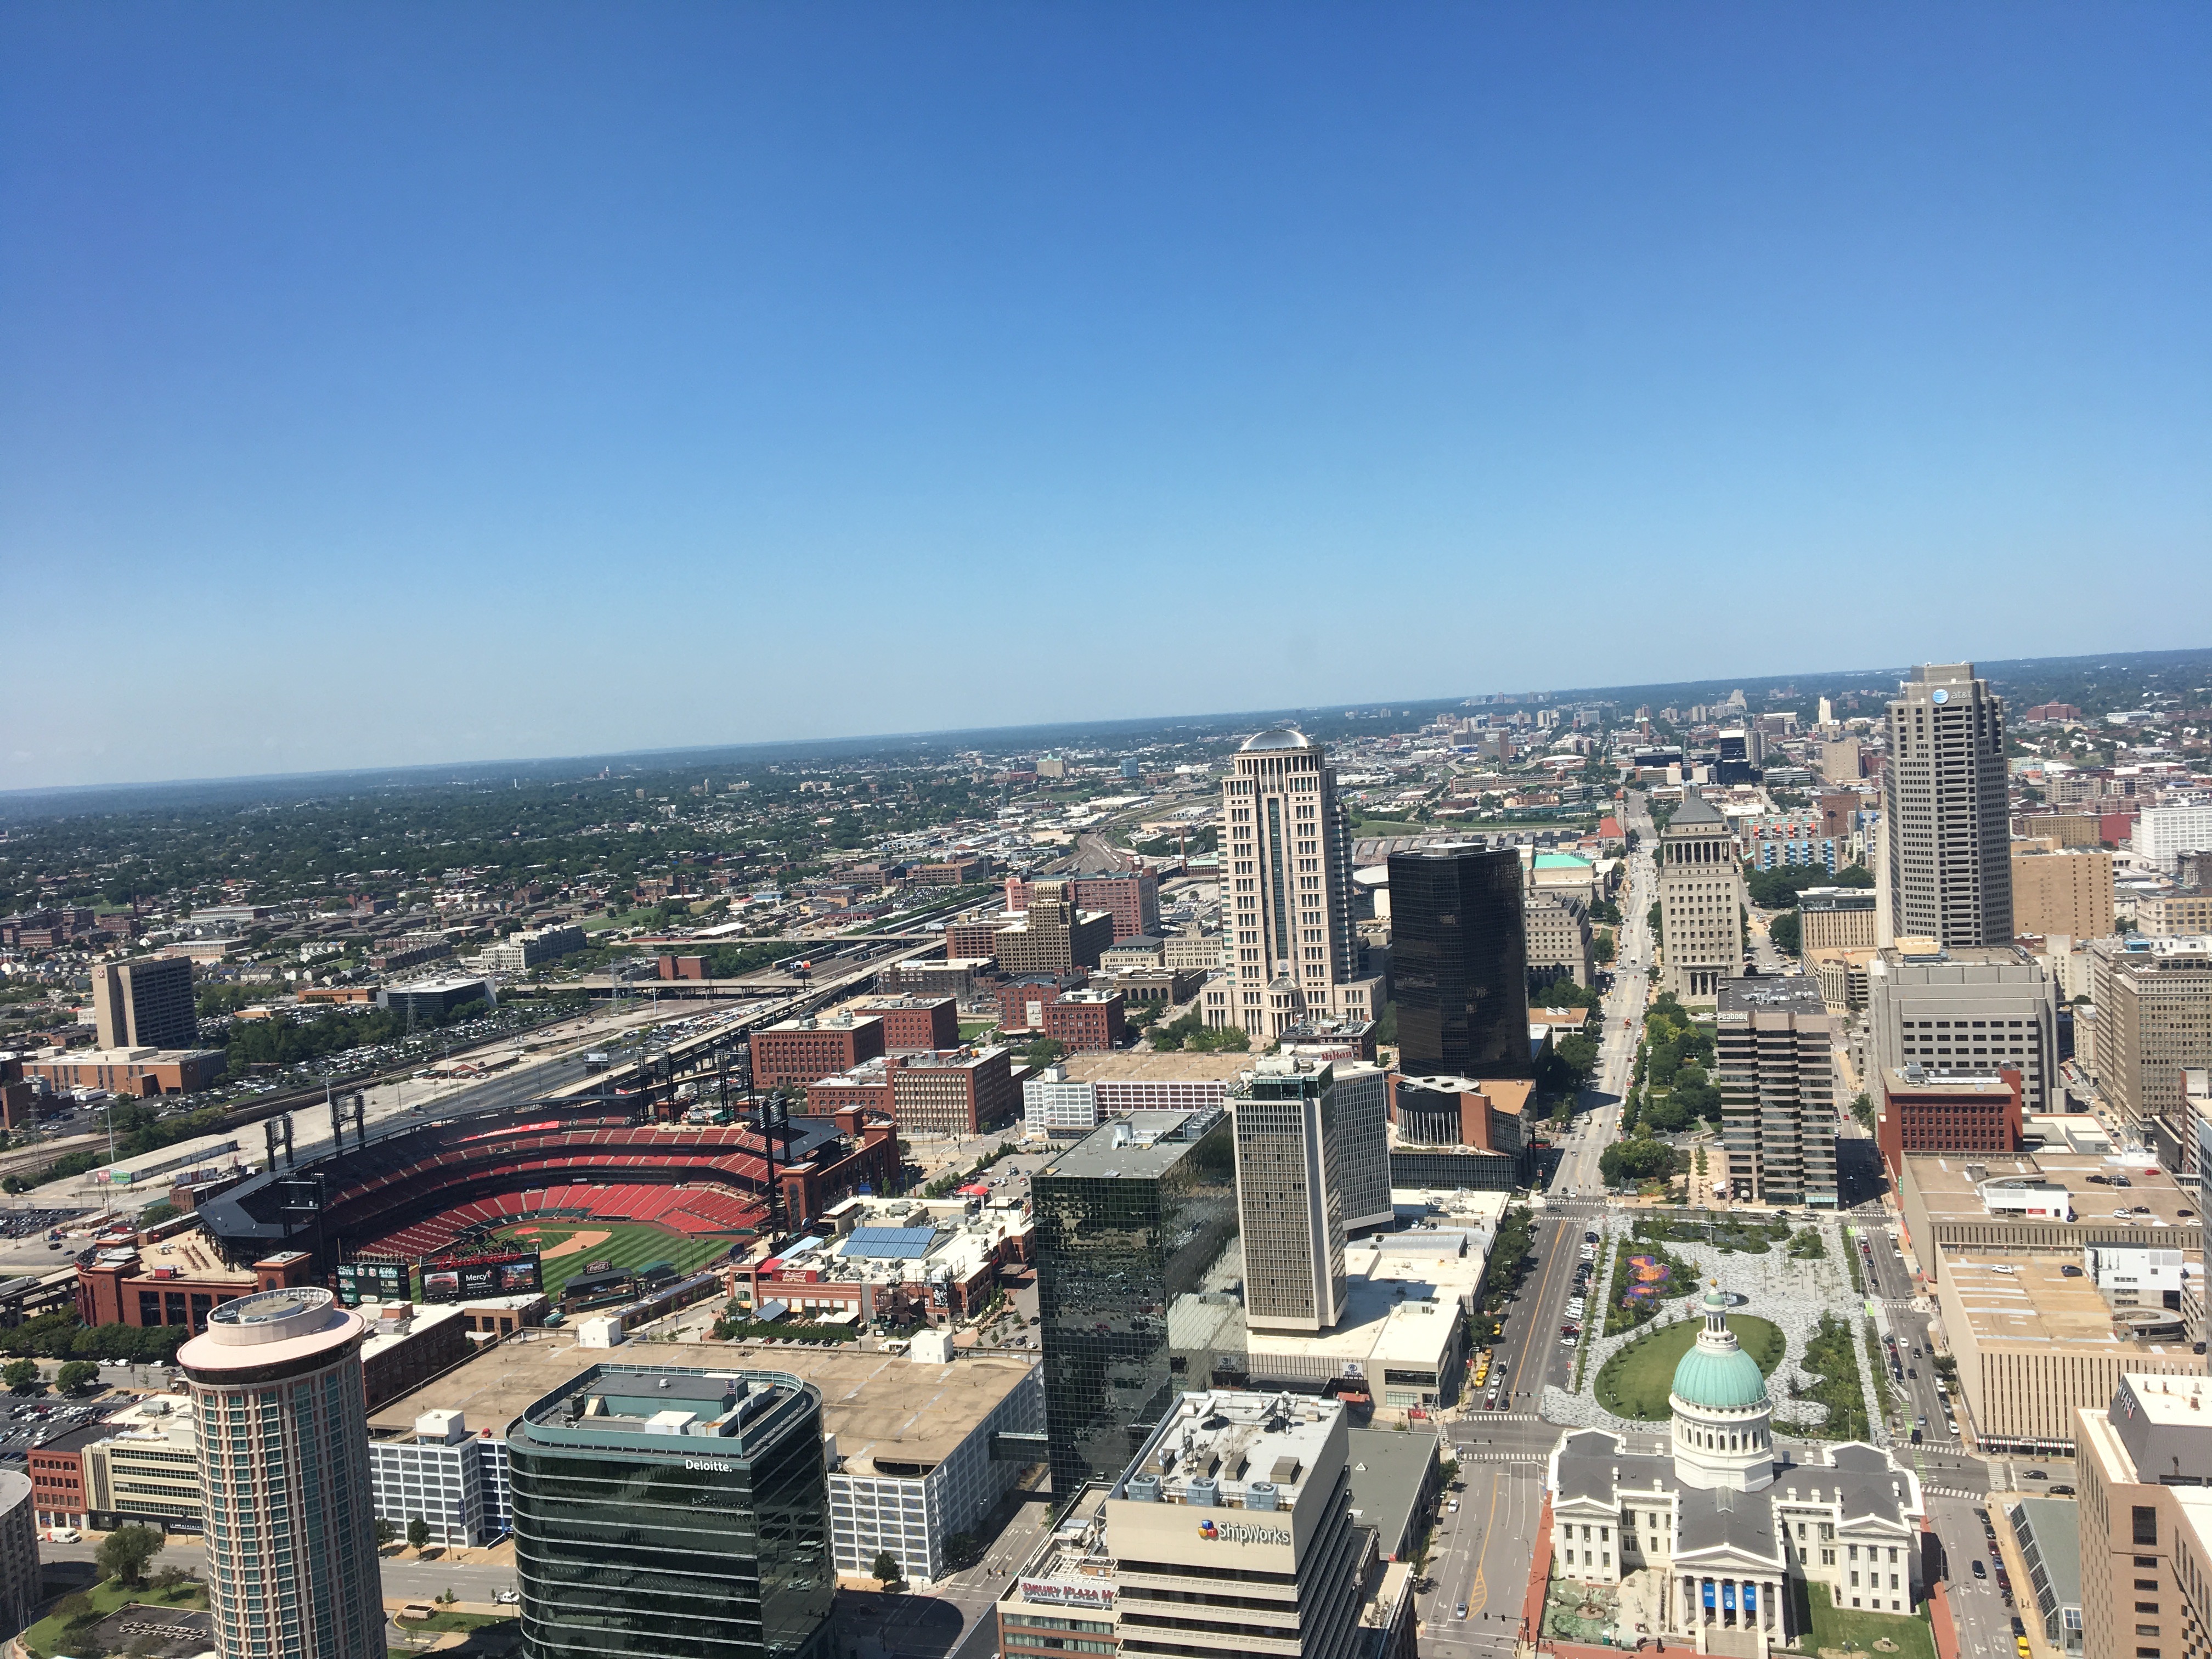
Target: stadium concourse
(433, 1187)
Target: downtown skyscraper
(1289, 952)
(1460, 961)
(1946, 849)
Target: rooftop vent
(1203, 1493)
(1262, 1495)
(1144, 1489)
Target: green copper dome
(1715, 1373)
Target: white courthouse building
(1712, 1531)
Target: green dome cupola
(1723, 1421)
(1716, 1374)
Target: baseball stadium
(583, 1183)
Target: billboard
(481, 1276)
(387, 1281)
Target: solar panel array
(891, 1243)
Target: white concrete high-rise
(1289, 951)
(277, 1391)
(1290, 1196)
(1949, 851)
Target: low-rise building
(1088, 1021)
(803, 1050)
(1961, 1115)
(1458, 1132)
(1842, 978)
(1401, 1336)
(1836, 918)
(2053, 1202)
(429, 1002)
(145, 1467)
(890, 1260)
(914, 1022)
(908, 1444)
(2174, 915)
(2036, 1341)
(1559, 942)
(131, 1072)
(518, 953)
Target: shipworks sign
(1235, 1532)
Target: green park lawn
(626, 1245)
(1635, 1381)
(51, 1635)
(1839, 1628)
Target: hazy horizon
(533, 382)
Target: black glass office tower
(1459, 963)
(667, 1513)
(1140, 1278)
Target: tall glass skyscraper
(1459, 962)
(661, 1511)
(283, 1434)
(1139, 1276)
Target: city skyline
(1108, 731)
(625, 380)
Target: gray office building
(662, 1512)
(1947, 835)
(1289, 1197)
(1777, 1079)
(1139, 1276)
(147, 1004)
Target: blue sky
(416, 382)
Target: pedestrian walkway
(1505, 1457)
(1953, 1492)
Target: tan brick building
(2055, 892)
(2153, 1001)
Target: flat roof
(1949, 1190)
(1412, 1318)
(876, 1404)
(1897, 1082)
(1134, 1067)
(1390, 1471)
(1238, 1437)
(2029, 1301)
(1113, 1150)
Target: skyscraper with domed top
(1289, 953)
(1714, 1529)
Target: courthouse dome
(1282, 737)
(1716, 1374)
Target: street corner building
(661, 1510)
(1707, 1537)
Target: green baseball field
(567, 1249)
